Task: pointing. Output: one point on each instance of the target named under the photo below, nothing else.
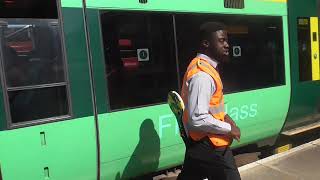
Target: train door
(308, 48)
(47, 127)
(134, 68)
(304, 113)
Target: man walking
(209, 128)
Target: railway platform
(299, 163)
(302, 162)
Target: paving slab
(301, 163)
(261, 172)
(304, 164)
(316, 142)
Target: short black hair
(208, 28)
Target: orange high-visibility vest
(216, 102)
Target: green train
(84, 82)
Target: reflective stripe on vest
(216, 105)
(217, 110)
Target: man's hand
(229, 120)
(235, 132)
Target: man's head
(214, 41)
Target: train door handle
(315, 56)
(43, 140)
(46, 173)
(0, 173)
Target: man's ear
(205, 43)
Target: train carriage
(84, 83)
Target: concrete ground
(302, 162)
(299, 163)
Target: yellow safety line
(314, 48)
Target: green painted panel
(72, 149)
(305, 104)
(143, 125)
(77, 59)
(286, 46)
(71, 3)
(3, 122)
(134, 165)
(258, 114)
(96, 46)
(141, 133)
(302, 8)
(69, 151)
(215, 6)
(305, 99)
(20, 154)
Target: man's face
(219, 45)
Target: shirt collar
(211, 61)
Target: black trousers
(203, 160)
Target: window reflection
(140, 58)
(256, 45)
(32, 52)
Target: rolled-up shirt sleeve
(201, 88)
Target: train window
(308, 49)
(304, 49)
(256, 49)
(139, 57)
(33, 69)
(44, 9)
(35, 104)
(32, 53)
